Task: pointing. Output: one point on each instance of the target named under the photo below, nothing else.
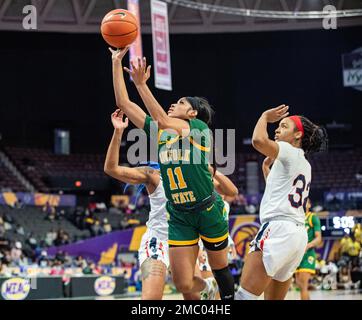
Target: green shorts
(308, 262)
(184, 228)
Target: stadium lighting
(274, 14)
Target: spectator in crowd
(357, 232)
(107, 228)
(50, 237)
(20, 230)
(124, 223)
(43, 260)
(2, 226)
(354, 249)
(95, 228)
(31, 241)
(344, 279)
(80, 262)
(16, 253)
(50, 212)
(345, 243)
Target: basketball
(119, 28)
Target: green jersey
(184, 163)
(312, 224)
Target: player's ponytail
(315, 138)
(203, 108)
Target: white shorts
(153, 247)
(283, 245)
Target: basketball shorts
(308, 262)
(154, 247)
(282, 244)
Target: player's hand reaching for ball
(140, 73)
(117, 120)
(276, 114)
(117, 55)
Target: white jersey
(157, 221)
(287, 186)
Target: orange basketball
(119, 28)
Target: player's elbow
(109, 169)
(258, 142)
(234, 192)
(123, 104)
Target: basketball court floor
(292, 295)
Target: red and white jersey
(287, 185)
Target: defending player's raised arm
(140, 73)
(260, 140)
(131, 109)
(111, 165)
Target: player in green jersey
(307, 266)
(195, 209)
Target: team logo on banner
(15, 289)
(352, 69)
(243, 235)
(104, 286)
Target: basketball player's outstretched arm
(224, 186)
(131, 109)
(111, 165)
(260, 140)
(140, 73)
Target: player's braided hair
(203, 108)
(315, 137)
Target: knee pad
(225, 281)
(216, 246)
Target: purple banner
(102, 249)
(37, 199)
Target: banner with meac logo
(136, 48)
(161, 45)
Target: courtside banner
(136, 48)
(161, 45)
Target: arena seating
(38, 164)
(8, 181)
(333, 170)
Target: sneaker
(209, 293)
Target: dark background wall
(64, 80)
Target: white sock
(242, 294)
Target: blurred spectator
(20, 230)
(95, 228)
(31, 241)
(354, 249)
(124, 223)
(344, 279)
(357, 232)
(50, 212)
(16, 253)
(2, 226)
(50, 237)
(344, 245)
(107, 228)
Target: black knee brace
(225, 281)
